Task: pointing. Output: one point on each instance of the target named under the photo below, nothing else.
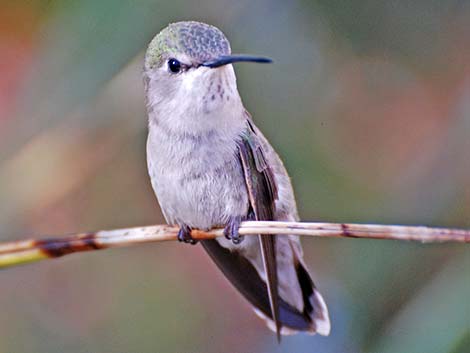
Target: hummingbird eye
(174, 65)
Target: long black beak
(229, 59)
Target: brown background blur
(368, 103)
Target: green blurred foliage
(368, 103)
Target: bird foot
(231, 230)
(184, 235)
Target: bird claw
(231, 230)
(184, 235)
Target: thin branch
(20, 252)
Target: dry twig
(20, 252)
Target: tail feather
(243, 275)
(268, 253)
(315, 307)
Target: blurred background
(368, 103)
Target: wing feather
(262, 194)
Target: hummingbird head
(187, 71)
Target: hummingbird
(210, 166)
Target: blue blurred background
(368, 103)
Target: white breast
(197, 178)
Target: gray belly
(202, 190)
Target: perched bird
(210, 166)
